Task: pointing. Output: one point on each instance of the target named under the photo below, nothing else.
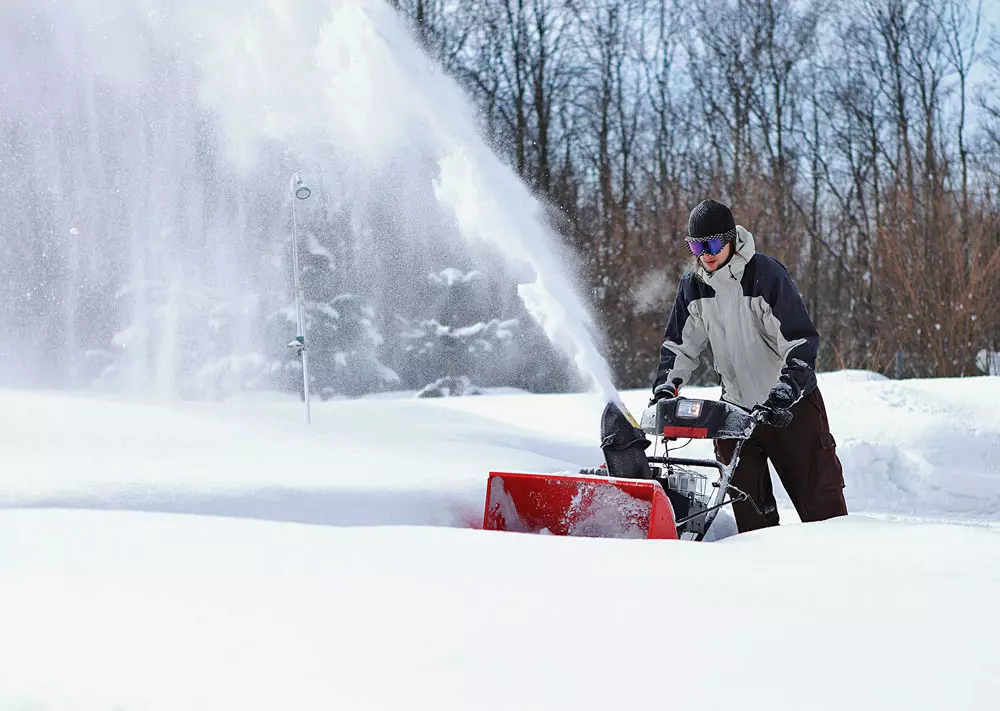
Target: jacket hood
(745, 249)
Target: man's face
(711, 262)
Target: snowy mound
(910, 448)
(127, 611)
(136, 610)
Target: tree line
(859, 143)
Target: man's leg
(804, 455)
(753, 477)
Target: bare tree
(961, 24)
(840, 135)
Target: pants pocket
(828, 472)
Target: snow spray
(329, 83)
(356, 79)
(489, 202)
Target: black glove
(777, 409)
(665, 391)
(782, 395)
(775, 416)
(798, 376)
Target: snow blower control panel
(684, 418)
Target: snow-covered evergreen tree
(182, 340)
(470, 342)
(343, 344)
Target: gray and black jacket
(751, 317)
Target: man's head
(711, 234)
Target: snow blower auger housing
(634, 494)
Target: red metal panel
(661, 520)
(685, 432)
(568, 505)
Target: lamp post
(299, 191)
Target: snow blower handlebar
(684, 418)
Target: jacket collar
(745, 249)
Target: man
(743, 307)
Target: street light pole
(299, 191)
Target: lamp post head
(302, 190)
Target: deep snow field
(333, 566)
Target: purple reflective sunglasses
(709, 246)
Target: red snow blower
(632, 495)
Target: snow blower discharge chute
(634, 495)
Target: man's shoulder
(692, 288)
(766, 265)
(762, 273)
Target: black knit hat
(711, 219)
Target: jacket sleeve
(684, 340)
(789, 324)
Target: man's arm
(791, 327)
(683, 340)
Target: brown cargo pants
(804, 455)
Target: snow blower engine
(634, 494)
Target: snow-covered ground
(113, 596)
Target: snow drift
(909, 448)
(153, 608)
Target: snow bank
(103, 610)
(365, 462)
(927, 449)
(923, 448)
(138, 610)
